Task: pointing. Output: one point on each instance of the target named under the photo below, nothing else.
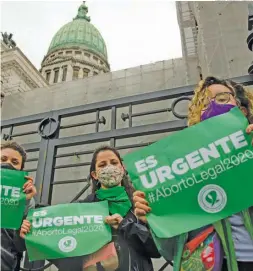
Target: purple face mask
(215, 109)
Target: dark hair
(16, 147)
(242, 97)
(125, 181)
(211, 80)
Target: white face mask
(110, 176)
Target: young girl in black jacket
(131, 238)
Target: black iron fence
(123, 118)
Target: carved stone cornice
(47, 59)
(13, 64)
(87, 50)
(58, 60)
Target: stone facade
(141, 79)
(215, 34)
(17, 73)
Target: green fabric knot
(118, 200)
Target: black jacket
(133, 242)
(12, 244)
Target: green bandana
(117, 198)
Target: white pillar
(91, 72)
(60, 75)
(51, 79)
(80, 73)
(69, 73)
(43, 73)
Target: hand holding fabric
(250, 130)
(141, 206)
(114, 220)
(25, 228)
(29, 188)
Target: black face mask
(7, 166)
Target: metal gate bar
(50, 125)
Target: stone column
(60, 75)
(69, 73)
(43, 73)
(91, 72)
(51, 80)
(80, 73)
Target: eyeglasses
(221, 98)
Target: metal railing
(50, 125)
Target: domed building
(76, 51)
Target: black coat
(133, 242)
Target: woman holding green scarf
(132, 246)
(131, 238)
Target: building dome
(76, 51)
(79, 34)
